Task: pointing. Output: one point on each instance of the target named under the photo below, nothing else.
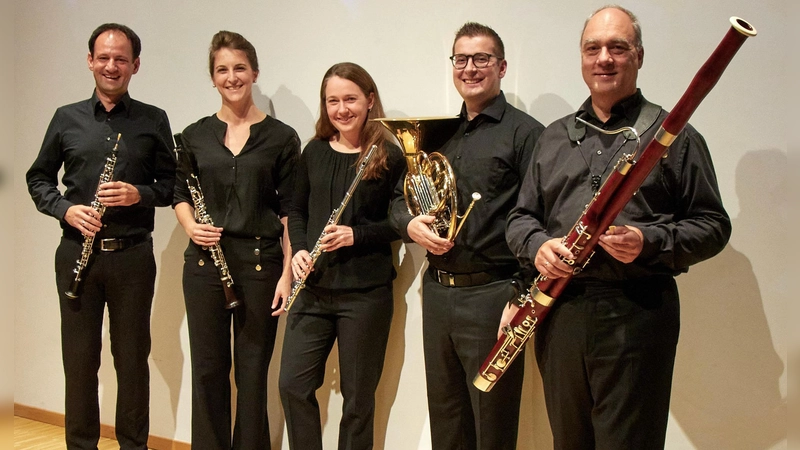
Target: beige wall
(730, 386)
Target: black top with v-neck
(245, 194)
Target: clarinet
(628, 175)
(201, 216)
(100, 209)
(336, 215)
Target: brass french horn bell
(430, 186)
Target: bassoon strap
(647, 118)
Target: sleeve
(160, 192)
(399, 217)
(42, 177)
(298, 208)
(525, 231)
(285, 178)
(701, 228)
(382, 231)
(184, 169)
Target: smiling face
(347, 107)
(233, 76)
(478, 86)
(610, 59)
(113, 65)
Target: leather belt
(462, 279)
(116, 244)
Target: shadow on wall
(550, 107)
(407, 271)
(167, 318)
(726, 390)
(294, 112)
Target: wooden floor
(29, 434)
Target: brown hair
(472, 29)
(373, 133)
(233, 41)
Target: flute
(336, 215)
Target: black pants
(360, 321)
(123, 281)
(255, 266)
(459, 329)
(606, 353)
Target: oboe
(201, 216)
(336, 215)
(100, 209)
(607, 203)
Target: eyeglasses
(480, 60)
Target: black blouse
(323, 178)
(248, 193)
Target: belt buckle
(108, 245)
(441, 275)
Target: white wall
(730, 386)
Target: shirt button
(258, 237)
(201, 263)
(599, 152)
(258, 267)
(257, 251)
(108, 138)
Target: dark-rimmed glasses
(480, 60)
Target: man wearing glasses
(468, 282)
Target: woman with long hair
(348, 290)
(245, 163)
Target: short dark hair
(233, 41)
(473, 29)
(136, 43)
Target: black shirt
(489, 155)
(248, 193)
(80, 137)
(678, 207)
(323, 177)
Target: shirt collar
(96, 104)
(494, 110)
(626, 110)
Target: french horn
(430, 186)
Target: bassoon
(626, 178)
(201, 216)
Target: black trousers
(123, 281)
(255, 266)
(360, 321)
(459, 329)
(606, 353)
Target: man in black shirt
(121, 272)
(468, 282)
(607, 348)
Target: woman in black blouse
(245, 161)
(348, 293)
